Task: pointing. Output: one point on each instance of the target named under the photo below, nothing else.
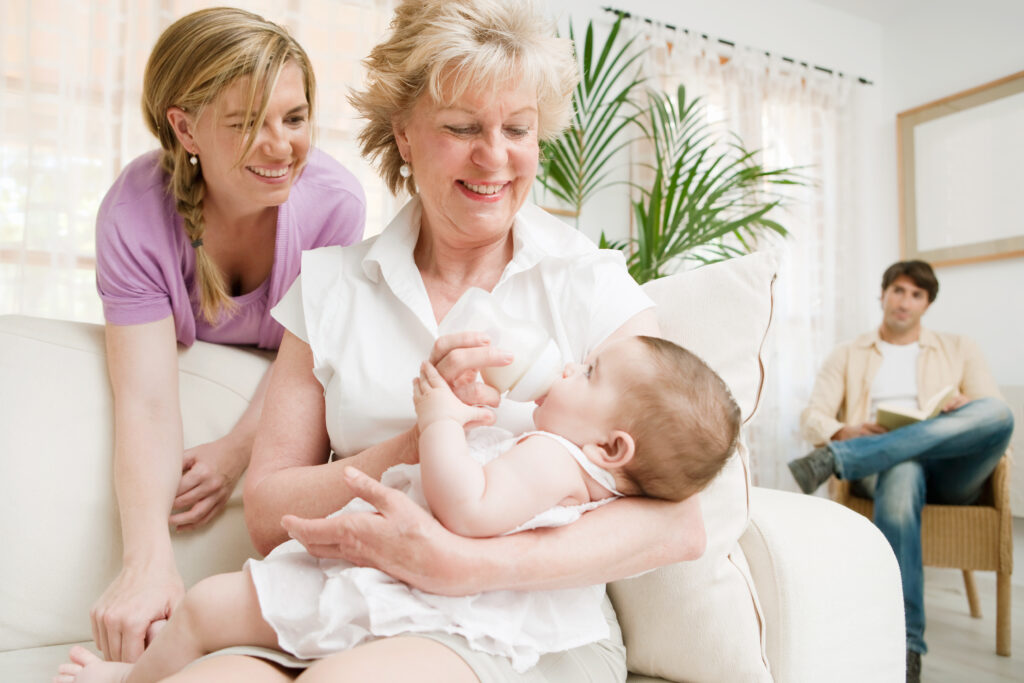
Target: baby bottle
(536, 361)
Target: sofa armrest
(830, 590)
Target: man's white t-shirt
(896, 380)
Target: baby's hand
(434, 401)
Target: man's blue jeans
(943, 460)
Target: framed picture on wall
(962, 175)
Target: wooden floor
(962, 649)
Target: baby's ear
(616, 452)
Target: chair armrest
(1001, 483)
(829, 588)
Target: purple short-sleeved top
(145, 265)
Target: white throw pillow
(701, 621)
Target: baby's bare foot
(85, 667)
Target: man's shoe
(814, 469)
(913, 666)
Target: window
(70, 120)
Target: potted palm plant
(576, 165)
(708, 198)
(705, 197)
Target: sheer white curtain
(797, 116)
(70, 119)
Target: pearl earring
(405, 170)
(193, 160)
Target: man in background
(945, 459)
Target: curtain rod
(626, 15)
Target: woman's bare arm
(289, 473)
(615, 541)
(643, 323)
(211, 470)
(143, 365)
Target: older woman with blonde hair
(198, 240)
(459, 95)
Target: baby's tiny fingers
(483, 414)
(480, 416)
(433, 376)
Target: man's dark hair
(918, 271)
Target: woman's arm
(643, 323)
(211, 470)
(615, 541)
(289, 472)
(143, 365)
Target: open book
(893, 417)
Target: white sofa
(792, 588)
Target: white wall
(954, 46)
(914, 51)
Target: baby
(645, 417)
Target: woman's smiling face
(264, 177)
(474, 161)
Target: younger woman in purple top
(199, 240)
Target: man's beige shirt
(842, 390)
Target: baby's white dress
(322, 606)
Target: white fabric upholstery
(733, 303)
(824, 617)
(834, 613)
(722, 313)
(58, 518)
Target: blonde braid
(189, 189)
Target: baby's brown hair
(683, 419)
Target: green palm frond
(709, 199)
(577, 164)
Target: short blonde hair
(442, 48)
(683, 419)
(193, 61)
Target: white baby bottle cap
(539, 377)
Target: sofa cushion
(701, 621)
(62, 547)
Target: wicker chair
(965, 537)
